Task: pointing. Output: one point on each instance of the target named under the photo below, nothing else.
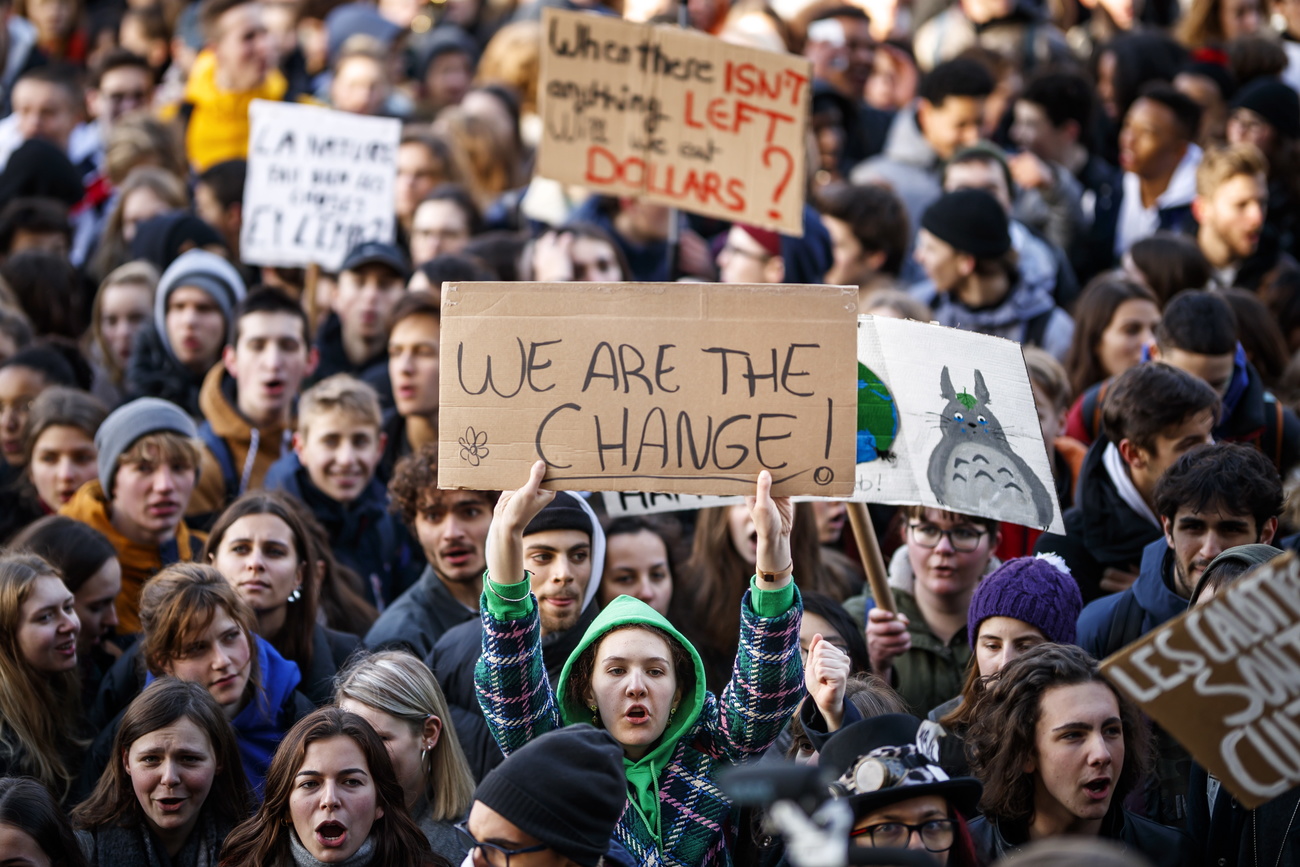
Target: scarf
(1128, 492)
(303, 858)
(138, 846)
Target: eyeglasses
(499, 856)
(964, 538)
(936, 835)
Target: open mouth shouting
(331, 834)
(637, 715)
(169, 806)
(1098, 789)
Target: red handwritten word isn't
(746, 79)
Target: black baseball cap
(377, 253)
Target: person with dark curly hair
(452, 528)
(1058, 749)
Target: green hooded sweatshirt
(642, 774)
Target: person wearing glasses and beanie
(923, 650)
(555, 802)
(887, 768)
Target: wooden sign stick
(872, 561)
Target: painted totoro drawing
(973, 468)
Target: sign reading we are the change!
(1224, 679)
(688, 388)
(319, 183)
(674, 116)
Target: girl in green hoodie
(636, 676)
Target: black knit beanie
(562, 513)
(1273, 101)
(567, 788)
(971, 221)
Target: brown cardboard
(558, 353)
(1224, 680)
(674, 116)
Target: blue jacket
(364, 535)
(1106, 624)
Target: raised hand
(773, 519)
(513, 512)
(825, 676)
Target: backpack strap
(1092, 415)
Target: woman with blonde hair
(400, 698)
(147, 191)
(122, 307)
(195, 626)
(40, 706)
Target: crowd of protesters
(240, 624)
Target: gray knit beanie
(199, 269)
(128, 423)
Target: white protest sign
(319, 183)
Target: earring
(672, 710)
(595, 716)
(296, 594)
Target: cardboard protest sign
(319, 182)
(946, 419)
(620, 503)
(674, 116)
(679, 387)
(1224, 680)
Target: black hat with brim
(894, 738)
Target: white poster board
(319, 183)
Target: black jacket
(330, 649)
(154, 372)
(419, 617)
(1102, 531)
(1228, 833)
(452, 662)
(1162, 846)
(333, 359)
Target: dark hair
(226, 181)
(50, 291)
(117, 58)
(268, 299)
(37, 214)
(1260, 336)
(1140, 58)
(1186, 111)
(1170, 263)
(984, 154)
(15, 325)
(876, 217)
(1233, 478)
(295, 639)
(62, 75)
(833, 613)
(460, 197)
(415, 486)
(593, 231)
(1063, 97)
(961, 77)
(453, 268)
(842, 11)
(77, 550)
(54, 362)
(210, 11)
(166, 701)
(1146, 400)
(264, 838)
(27, 805)
(1093, 313)
(1256, 55)
(422, 303)
(342, 602)
(61, 406)
(1198, 321)
(1001, 738)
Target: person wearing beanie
(564, 546)
(192, 320)
(975, 281)
(887, 768)
(148, 464)
(1025, 602)
(755, 255)
(637, 677)
(561, 794)
(1266, 114)
(446, 68)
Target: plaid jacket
(697, 823)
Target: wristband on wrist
(491, 585)
(775, 576)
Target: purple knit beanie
(1038, 590)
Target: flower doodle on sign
(473, 446)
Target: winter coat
(237, 438)
(1101, 532)
(334, 359)
(330, 649)
(1109, 623)
(154, 372)
(909, 166)
(1230, 835)
(1160, 845)
(139, 562)
(364, 535)
(676, 814)
(420, 616)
